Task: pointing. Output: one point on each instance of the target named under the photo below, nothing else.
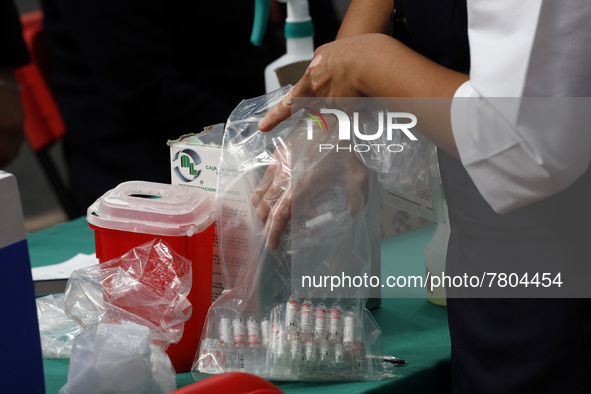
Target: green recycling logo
(188, 170)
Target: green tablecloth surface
(413, 328)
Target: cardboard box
(195, 159)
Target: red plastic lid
(153, 208)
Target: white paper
(65, 269)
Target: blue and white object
(21, 368)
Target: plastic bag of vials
(289, 216)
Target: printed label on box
(195, 165)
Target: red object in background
(43, 122)
(231, 383)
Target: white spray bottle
(299, 36)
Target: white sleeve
(521, 123)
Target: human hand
(11, 117)
(332, 73)
(271, 197)
(297, 174)
(336, 70)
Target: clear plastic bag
(57, 330)
(410, 177)
(118, 358)
(148, 285)
(131, 308)
(266, 322)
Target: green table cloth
(413, 328)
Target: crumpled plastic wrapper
(56, 328)
(118, 358)
(148, 285)
(130, 309)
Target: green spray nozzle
(297, 25)
(261, 17)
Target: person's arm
(522, 121)
(375, 65)
(365, 61)
(366, 16)
(512, 155)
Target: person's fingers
(284, 109)
(277, 114)
(266, 204)
(281, 182)
(280, 162)
(278, 220)
(268, 201)
(358, 186)
(263, 185)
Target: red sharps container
(137, 212)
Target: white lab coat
(519, 150)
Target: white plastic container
(299, 36)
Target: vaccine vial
(292, 311)
(309, 350)
(295, 346)
(360, 356)
(252, 330)
(320, 323)
(207, 359)
(280, 338)
(239, 366)
(265, 326)
(336, 324)
(324, 351)
(238, 334)
(306, 319)
(339, 354)
(272, 335)
(349, 331)
(225, 338)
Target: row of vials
(295, 338)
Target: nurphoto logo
(387, 122)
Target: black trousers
(523, 345)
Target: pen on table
(394, 360)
